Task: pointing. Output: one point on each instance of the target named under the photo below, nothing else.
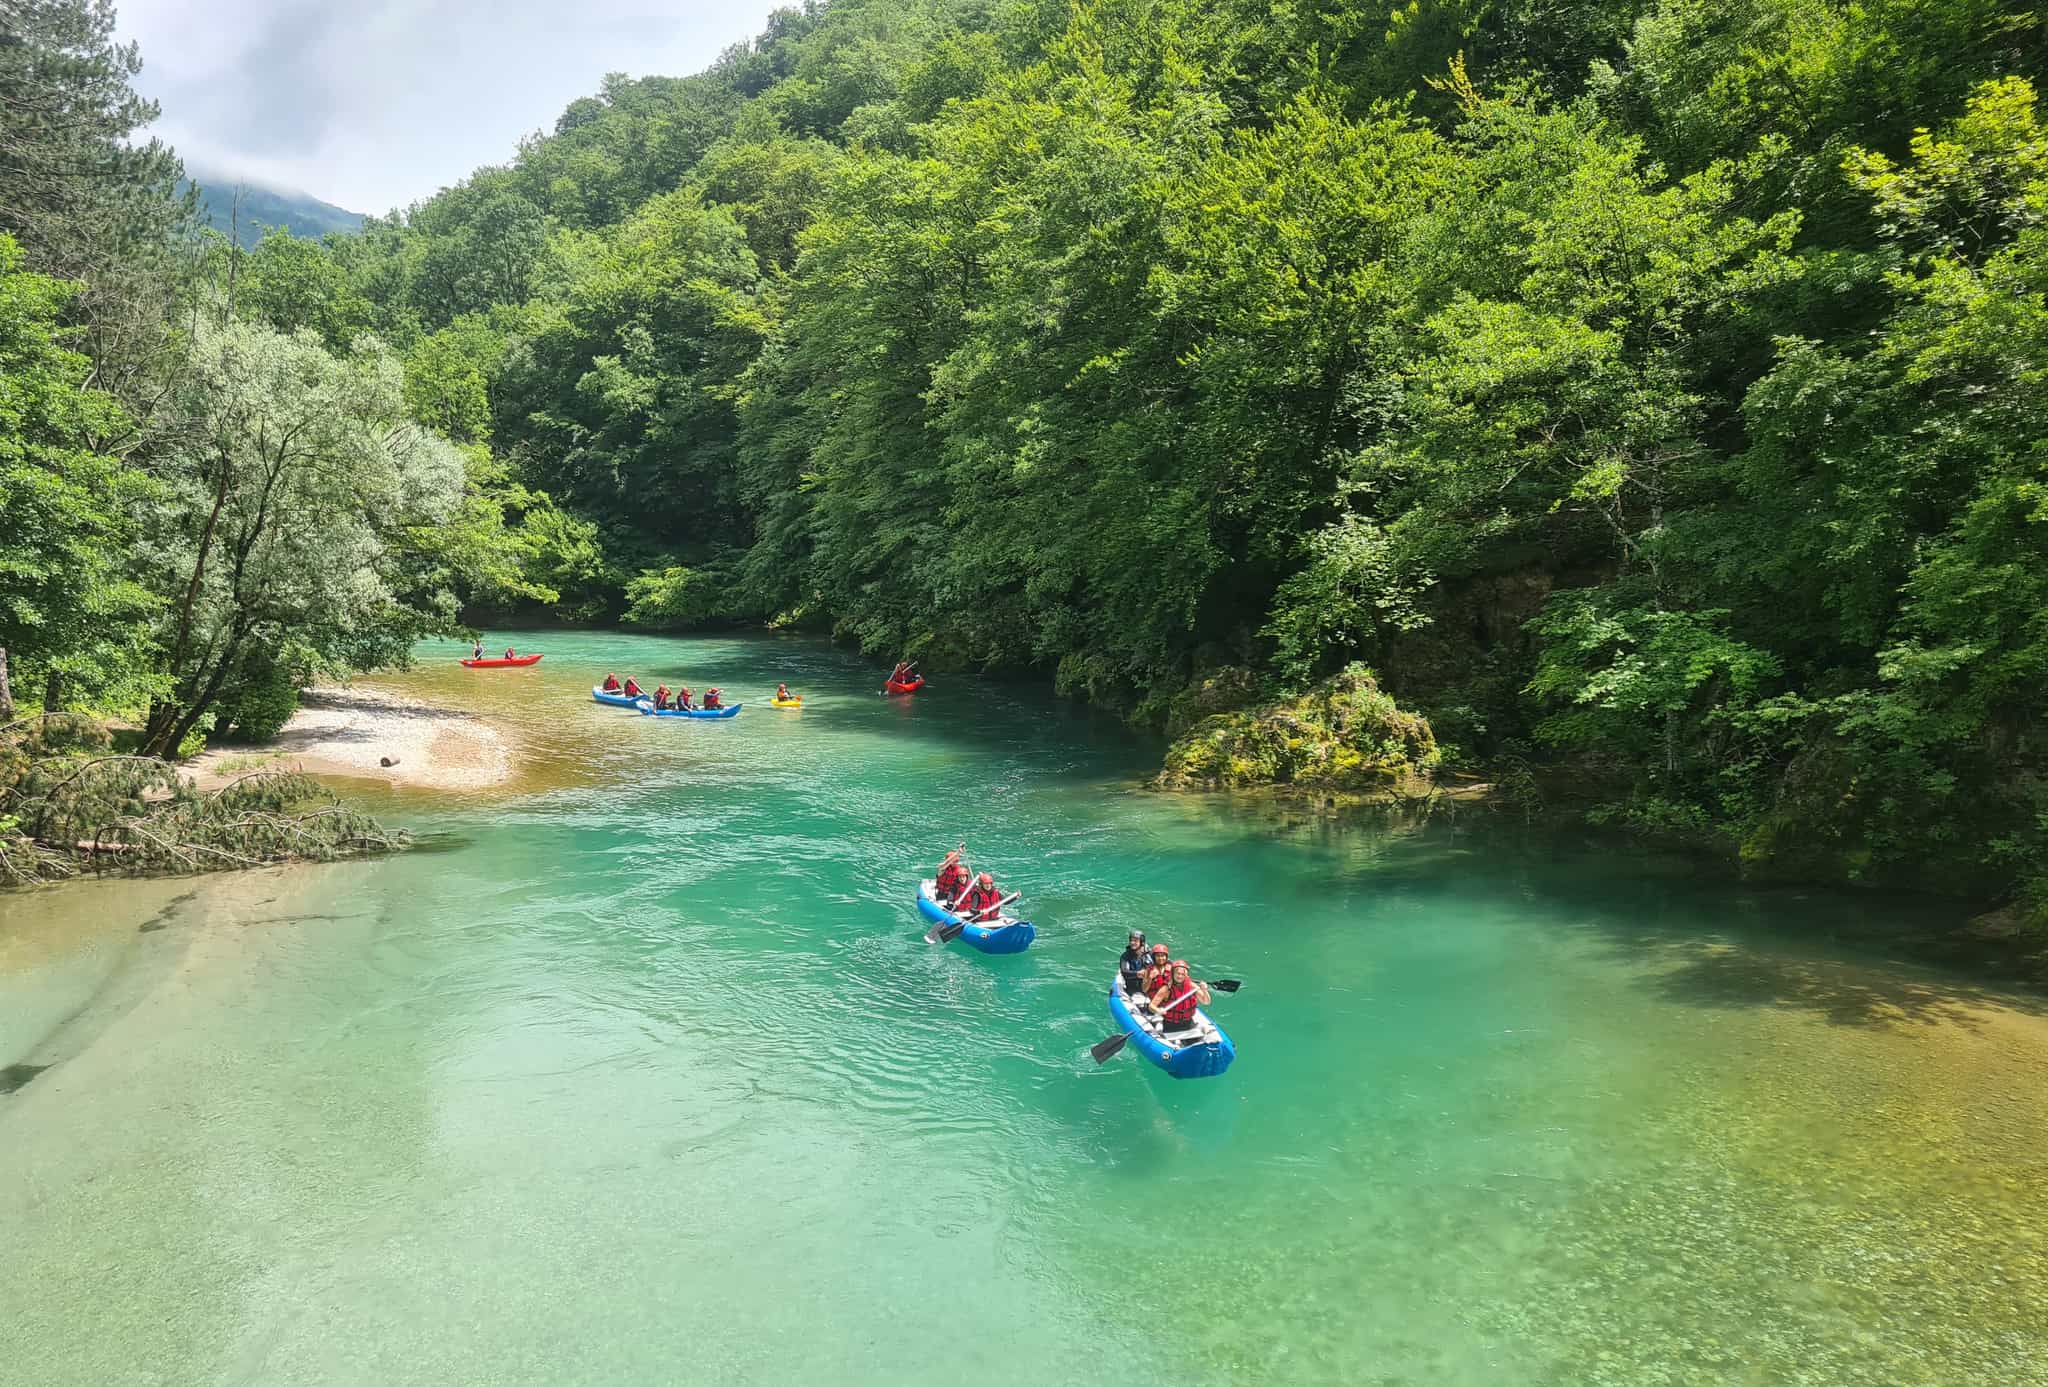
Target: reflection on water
(649, 1076)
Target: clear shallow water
(647, 1076)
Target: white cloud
(376, 105)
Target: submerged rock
(1344, 734)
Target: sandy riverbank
(351, 731)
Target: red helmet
(987, 880)
(1161, 949)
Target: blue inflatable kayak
(647, 708)
(1200, 1053)
(617, 700)
(1002, 937)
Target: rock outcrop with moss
(1344, 734)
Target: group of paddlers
(1157, 980)
(1150, 976)
(973, 898)
(664, 700)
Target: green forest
(1651, 394)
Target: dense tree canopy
(1650, 388)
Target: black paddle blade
(948, 933)
(1225, 984)
(1103, 1049)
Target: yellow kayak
(785, 703)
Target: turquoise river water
(641, 1072)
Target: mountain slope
(260, 207)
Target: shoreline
(348, 731)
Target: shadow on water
(1693, 935)
(1718, 975)
(1851, 958)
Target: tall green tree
(70, 616)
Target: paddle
(946, 934)
(1102, 1049)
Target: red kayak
(912, 687)
(514, 663)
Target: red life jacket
(978, 899)
(1184, 1009)
(611, 685)
(952, 881)
(632, 688)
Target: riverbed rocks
(1344, 734)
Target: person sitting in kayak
(712, 700)
(509, 654)
(632, 689)
(980, 903)
(611, 683)
(903, 674)
(782, 693)
(478, 653)
(1132, 964)
(661, 699)
(1176, 998)
(1155, 971)
(951, 882)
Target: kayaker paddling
(982, 900)
(611, 682)
(632, 689)
(712, 700)
(661, 699)
(1177, 997)
(951, 882)
(478, 653)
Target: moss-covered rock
(1223, 690)
(1344, 734)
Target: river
(642, 1072)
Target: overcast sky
(374, 104)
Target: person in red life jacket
(509, 653)
(712, 700)
(782, 693)
(1155, 971)
(611, 683)
(1177, 997)
(952, 879)
(661, 699)
(683, 704)
(632, 689)
(904, 673)
(980, 903)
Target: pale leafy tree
(297, 485)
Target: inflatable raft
(1002, 937)
(516, 662)
(912, 687)
(647, 709)
(1200, 1053)
(785, 703)
(617, 700)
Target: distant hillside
(261, 207)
